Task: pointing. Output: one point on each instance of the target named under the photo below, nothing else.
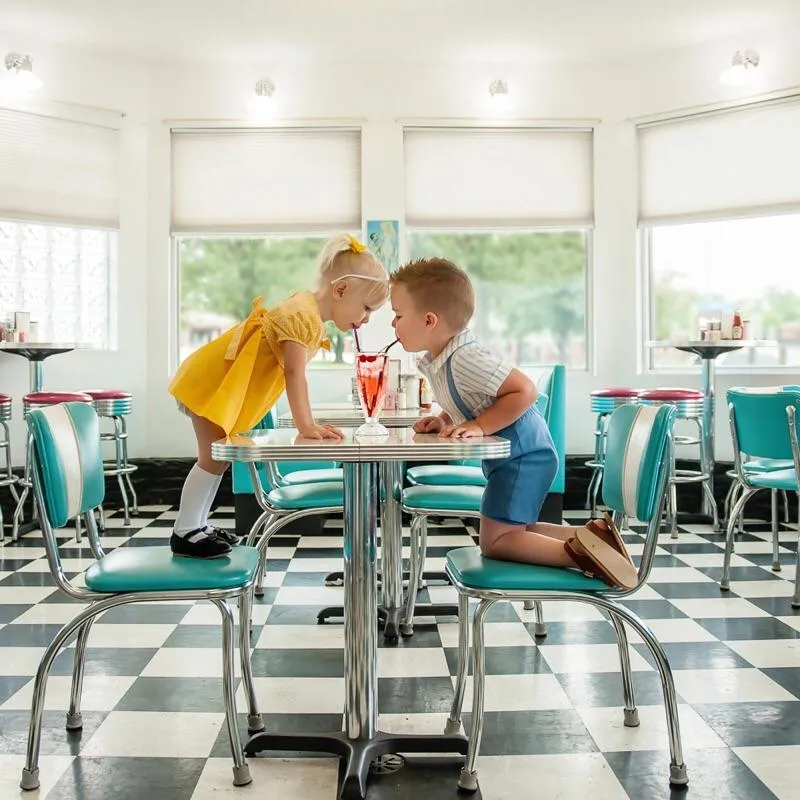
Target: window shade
(58, 171)
(725, 164)
(459, 177)
(265, 181)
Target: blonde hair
(438, 285)
(343, 256)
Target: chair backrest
(551, 381)
(637, 460)
(760, 422)
(68, 460)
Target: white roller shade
(58, 171)
(265, 181)
(721, 165)
(462, 177)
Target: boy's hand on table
(466, 430)
(430, 424)
(321, 432)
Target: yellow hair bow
(355, 245)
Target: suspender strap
(451, 385)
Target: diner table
(708, 352)
(361, 742)
(36, 353)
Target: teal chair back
(637, 460)
(762, 421)
(551, 383)
(68, 460)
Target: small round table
(361, 742)
(36, 353)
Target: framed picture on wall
(383, 239)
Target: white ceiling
(542, 31)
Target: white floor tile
(718, 608)
(567, 777)
(792, 622)
(23, 595)
(188, 662)
(728, 686)
(310, 596)
(775, 766)
(562, 611)
(21, 553)
(49, 614)
(297, 695)
(412, 662)
(673, 630)
(588, 658)
(51, 768)
(299, 564)
(765, 654)
(155, 734)
(301, 637)
(100, 693)
(611, 735)
(20, 660)
(711, 560)
(424, 724)
(126, 635)
(766, 588)
(320, 542)
(677, 575)
(519, 693)
(497, 634)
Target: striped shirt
(477, 373)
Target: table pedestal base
(358, 753)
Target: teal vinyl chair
(67, 476)
(763, 426)
(635, 484)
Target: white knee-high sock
(212, 494)
(194, 495)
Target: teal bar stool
(764, 426)
(636, 474)
(602, 403)
(68, 481)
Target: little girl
(230, 383)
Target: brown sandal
(607, 530)
(597, 558)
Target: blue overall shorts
(516, 486)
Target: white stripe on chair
(66, 445)
(638, 437)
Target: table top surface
(401, 444)
(345, 415)
(721, 345)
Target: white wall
(381, 98)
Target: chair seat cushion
(53, 398)
(108, 394)
(616, 391)
(470, 568)
(302, 476)
(155, 569)
(443, 498)
(767, 464)
(777, 479)
(446, 475)
(667, 395)
(307, 495)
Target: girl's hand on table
(321, 432)
(466, 430)
(429, 424)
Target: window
(719, 208)
(530, 289)
(251, 209)
(220, 277)
(709, 269)
(514, 208)
(59, 211)
(63, 277)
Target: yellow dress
(235, 379)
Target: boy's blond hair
(344, 255)
(438, 285)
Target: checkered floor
(153, 721)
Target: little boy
(433, 302)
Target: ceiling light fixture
(498, 88)
(21, 74)
(261, 98)
(742, 68)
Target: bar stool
(7, 477)
(29, 403)
(689, 406)
(115, 405)
(602, 403)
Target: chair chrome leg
(30, 772)
(776, 558)
(241, 771)
(677, 771)
(18, 511)
(713, 503)
(134, 498)
(796, 597)
(423, 550)
(254, 721)
(785, 498)
(414, 571)
(74, 716)
(539, 626)
(454, 720)
(597, 483)
(725, 582)
(262, 568)
(118, 469)
(631, 713)
(468, 779)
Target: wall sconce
(742, 69)
(261, 99)
(498, 88)
(20, 73)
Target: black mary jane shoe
(227, 536)
(204, 547)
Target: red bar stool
(689, 406)
(7, 477)
(603, 402)
(30, 402)
(115, 405)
